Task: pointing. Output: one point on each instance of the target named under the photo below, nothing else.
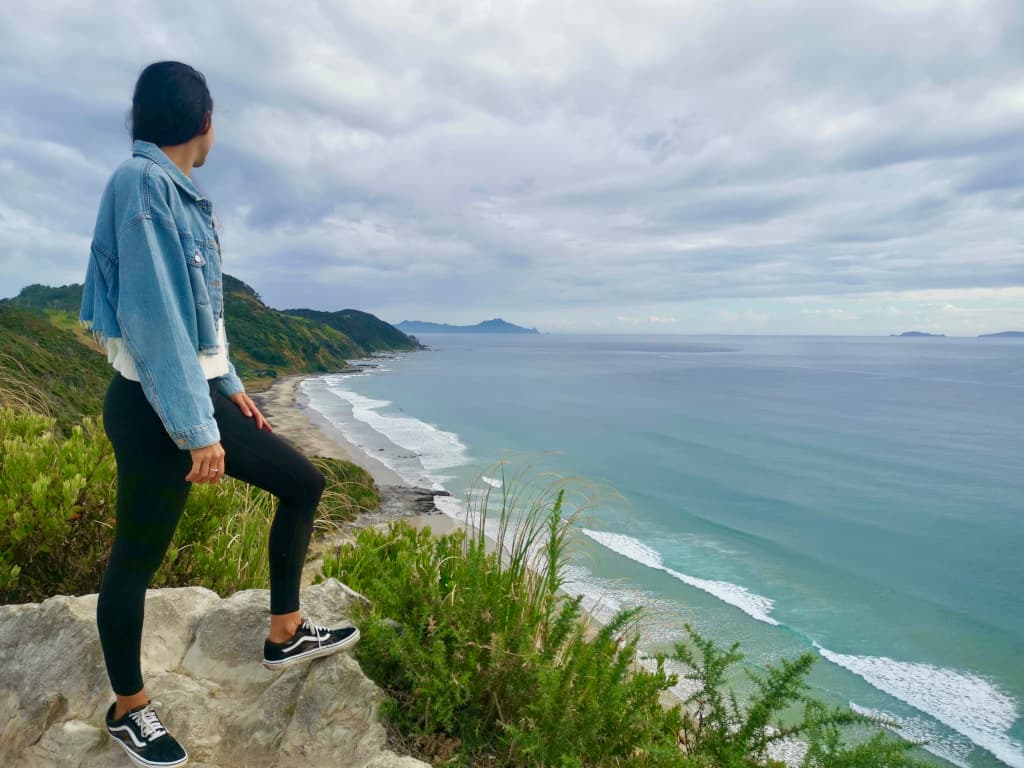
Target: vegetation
(487, 661)
(265, 342)
(363, 328)
(57, 468)
(57, 504)
(52, 370)
(64, 298)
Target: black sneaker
(141, 734)
(310, 641)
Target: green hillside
(265, 342)
(368, 331)
(66, 298)
(38, 356)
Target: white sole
(145, 763)
(315, 653)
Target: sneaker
(310, 641)
(141, 734)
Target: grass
(58, 500)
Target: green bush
(486, 660)
(722, 733)
(57, 505)
(55, 513)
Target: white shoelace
(148, 722)
(316, 629)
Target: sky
(608, 166)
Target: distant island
(497, 325)
(918, 334)
(1002, 335)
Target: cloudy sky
(601, 165)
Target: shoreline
(312, 434)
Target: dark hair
(170, 103)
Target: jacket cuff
(197, 437)
(229, 384)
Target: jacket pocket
(196, 260)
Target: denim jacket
(154, 279)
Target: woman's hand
(243, 401)
(207, 464)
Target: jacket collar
(142, 148)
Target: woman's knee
(309, 489)
(317, 484)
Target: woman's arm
(156, 312)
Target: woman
(175, 410)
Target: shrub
(57, 512)
(721, 733)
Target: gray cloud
(575, 162)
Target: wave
(949, 748)
(756, 606)
(965, 702)
(427, 449)
(491, 482)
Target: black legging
(151, 494)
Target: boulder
(202, 662)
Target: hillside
(36, 354)
(368, 331)
(66, 298)
(497, 325)
(265, 342)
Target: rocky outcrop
(201, 659)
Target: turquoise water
(860, 498)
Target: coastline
(309, 432)
(281, 403)
(313, 434)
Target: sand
(282, 405)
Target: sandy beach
(310, 432)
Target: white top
(213, 365)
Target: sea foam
(952, 748)
(967, 703)
(756, 606)
(432, 449)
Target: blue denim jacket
(154, 279)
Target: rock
(408, 501)
(201, 660)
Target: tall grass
(16, 389)
(58, 499)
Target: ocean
(859, 498)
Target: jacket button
(198, 257)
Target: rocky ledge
(201, 659)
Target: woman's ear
(205, 125)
